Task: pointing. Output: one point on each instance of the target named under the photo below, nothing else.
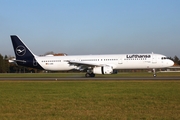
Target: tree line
(6, 67)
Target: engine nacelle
(103, 70)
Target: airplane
(94, 64)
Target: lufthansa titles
(138, 56)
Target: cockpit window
(164, 58)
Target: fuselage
(117, 61)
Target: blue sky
(92, 26)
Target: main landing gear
(154, 73)
(89, 75)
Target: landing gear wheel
(89, 75)
(92, 75)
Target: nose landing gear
(154, 73)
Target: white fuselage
(116, 61)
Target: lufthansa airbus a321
(94, 64)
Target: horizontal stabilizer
(12, 61)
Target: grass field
(104, 100)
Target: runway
(89, 79)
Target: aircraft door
(120, 61)
(154, 58)
(34, 62)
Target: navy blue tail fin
(24, 56)
(20, 49)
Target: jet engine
(103, 70)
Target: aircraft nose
(170, 63)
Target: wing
(78, 63)
(84, 65)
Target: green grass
(56, 75)
(83, 100)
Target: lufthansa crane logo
(20, 50)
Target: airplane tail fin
(24, 56)
(20, 49)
